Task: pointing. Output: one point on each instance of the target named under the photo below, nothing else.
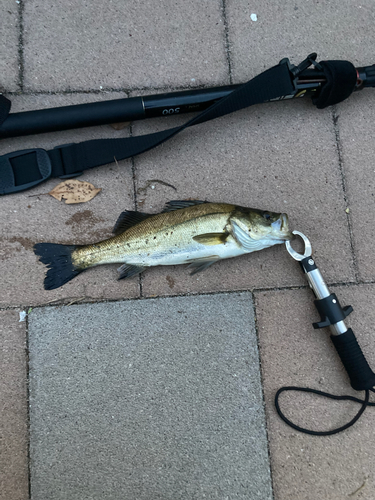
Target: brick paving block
(265, 158)
(154, 398)
(338, 30)
(28, 219)
(84, 45)
(9, 46)
(14, 482)
(294, 354)
(356, 125)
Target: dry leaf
(74, 191)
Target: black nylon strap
(70, 160)
(5, 105)
(271, 84)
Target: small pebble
(254, 17)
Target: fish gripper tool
(332, 315)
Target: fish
(193, 232)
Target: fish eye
(266, 216)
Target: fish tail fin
(58, 259)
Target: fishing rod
(308, 83)
(327, 82)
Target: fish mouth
(281, 227)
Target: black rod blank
(136, 108)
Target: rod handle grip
(360, 374)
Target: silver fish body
(186, 232)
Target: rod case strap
(18, 172)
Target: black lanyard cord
(364, 404)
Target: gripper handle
(360, 374)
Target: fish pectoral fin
(129, 219)
(211, 238)
(178, 204)
(202, 264)
(128, 270)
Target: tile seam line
(104, 90)
(226, 39)
(134, 172)
(191, 294)
(262, 385)
(21, 56)
(336, 128)
(27, 354)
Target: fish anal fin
(129, 219)
(178, 204)
(202, 264)
(129, 270)
(211, 238)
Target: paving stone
(155, 398)
(356, 125)
(14, 481)
(9, 45)
(28, 218)
(263, 157)
(84, 45)
(335, 30)
(293, 354)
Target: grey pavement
(154, 398)
(183, 425)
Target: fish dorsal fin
(128, 219)
(211, 238)
(178, 204)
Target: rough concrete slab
(292, 353)
(84, 45)
(294, 29)
(279, 157)
(9, 46)
(29, 218)
(14, 481)
(147, 399)
(356, 125)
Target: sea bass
(194, 232)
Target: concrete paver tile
(9, 44)
(258, 158)
(293, 354)
(295, 29)
(83, 45)
(166, 406)
(356, 125)
(29, 219)
(14, 481)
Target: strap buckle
(73, 174)
(24, 169)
